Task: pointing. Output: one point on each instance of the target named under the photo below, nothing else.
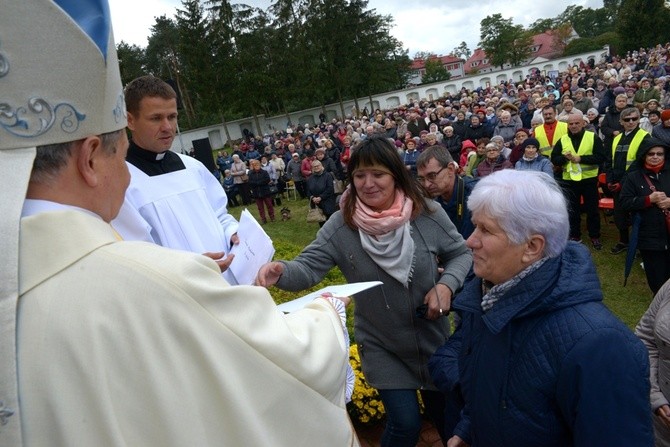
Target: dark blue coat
(548, 365)
(458, 210)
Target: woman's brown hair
(378, 150)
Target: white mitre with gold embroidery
(59, 82)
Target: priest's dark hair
(146, 86)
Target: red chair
(604, 203)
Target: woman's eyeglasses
(655, 154)
(630, 120)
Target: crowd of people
(120, 313)
(583, 126)
(595, 131)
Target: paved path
(370, 436)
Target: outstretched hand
(345, 299)
(269, 274)
(222, 262)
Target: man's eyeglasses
(630, 120)
(431, 177)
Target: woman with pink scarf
(387, 231)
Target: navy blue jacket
(548, 365)
(458, 211)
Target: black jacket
(453, 145)
(609, 125)
(322, 186)
(259, 181)
(475, 133)
(653, 233)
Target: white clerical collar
(160, 156)
(35, 206)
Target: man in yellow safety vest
(617, 162)
(580, 152)
(549, 133)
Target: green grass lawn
(629, 302)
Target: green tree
(435, 71)
(289, 23)
(542, 25)
(502, 41)
(587, 22)
(380, 55)
(561, 36)
(520, 45)
(610, 38)
(424, 55)
(462, 51)
(353, 52)
(234, 60)
(582, 45)
(196, 62)
(131, 61)
(642, 23)
(162, 54)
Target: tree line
(624, 25)
(234, 60)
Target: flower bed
(365, 406)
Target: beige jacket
(654, 331)
(132, 344)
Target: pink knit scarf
(378, 223)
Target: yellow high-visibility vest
(632, 148)
(547, 146)
(578, 171)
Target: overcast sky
(436, 26)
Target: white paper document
(342, 290)
(254, 250)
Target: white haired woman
(540, 359)
(506, 128)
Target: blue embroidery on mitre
(39, 117)
(119, 111)
(93, 18)
(4, 65)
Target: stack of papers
(254, 250)
(342, 290)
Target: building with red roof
(544, 48)
(452, 64)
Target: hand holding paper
(253, 250)
(344, 290)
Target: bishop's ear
(89, 152)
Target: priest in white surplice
(172, 200)
(127, 343)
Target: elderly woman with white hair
(452, 142)
(538, 358)
(506, 128)
(239, 171)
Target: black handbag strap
(651, 185)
